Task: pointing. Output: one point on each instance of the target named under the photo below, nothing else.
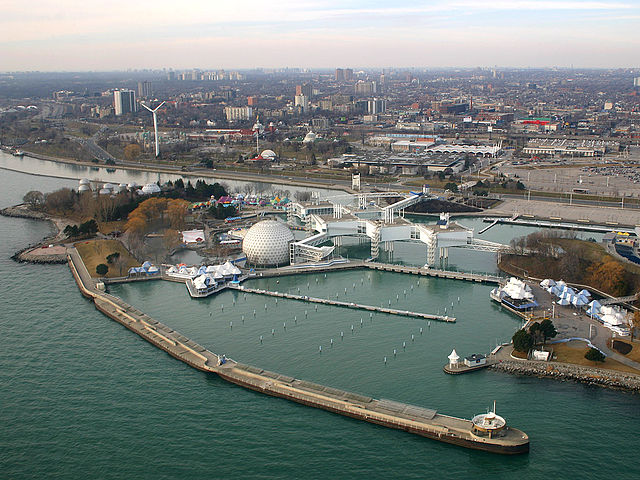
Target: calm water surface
(82, 397)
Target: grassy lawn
(573, 352)
(108, 227)
(634, 354)
(94, 252)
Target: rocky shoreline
(567, 372)
(24, 255)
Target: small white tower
(355, 181)
(453, 359)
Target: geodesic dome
(267, 243)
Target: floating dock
(412, 419)
(338, 303)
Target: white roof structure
(267, 243)
(517, 289)
(453, 357)
(309, 138)
(150, 189)
(268, 155)
(193, 236)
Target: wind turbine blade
(146, 107)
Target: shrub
(102, 269)
(594, 355)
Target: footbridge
(619, 300)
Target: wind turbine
(155, 124)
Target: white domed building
(268, 155)
(310, 138)
(267, 243)
(150, 189)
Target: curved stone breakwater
(32, 253)
(576, 373)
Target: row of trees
(89, 227)
(154, 213)
(524, 340)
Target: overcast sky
(120, 34)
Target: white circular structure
(267, 243)
(84, 188)
(268, 155)
(84, 181)
(150, 189)
(310, 138)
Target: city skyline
(73, 36)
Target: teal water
(82, 397)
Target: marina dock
(417, 420)
(356, 306)
(387, 267)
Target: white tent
(547, 283)
(563, 301)
(584, 293)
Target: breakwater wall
(568, 372)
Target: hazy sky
(119, 34)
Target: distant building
(252, 101)
(366, 88)
(320, 123)
(377, 105)
(344, 75)
(124, 101)
(636, 82)
(144, 89)
(302, 101)
(235, 114)
(305, 89)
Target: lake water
(82, 397)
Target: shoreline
(23, 255)
(217, 174)
(571, 372)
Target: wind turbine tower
(155, 125)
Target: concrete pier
(353, 305)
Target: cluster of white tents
(614, 318)
(215, 273)
(566, 295)
(611, 317)
(145, 269)
(517, 290)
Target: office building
(235, 114)
(124, 101)
(144, 89)
(305, 89)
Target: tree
(132, 151)
(302, 196)
(451, 187)
(535, 330)
(89, 227)
(102, 269)
(522, 341)
(610, 277)
(594, 355)
(112, 257)
(71, 231)
(34, 199)
(548, 329)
